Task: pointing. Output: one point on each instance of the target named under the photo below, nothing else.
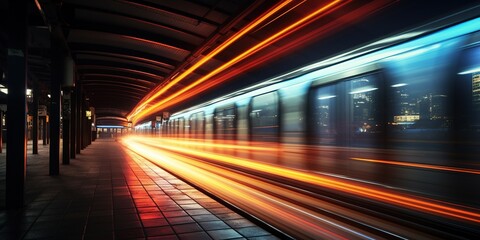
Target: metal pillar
(73, 124)
(88, 132)
(67, 83)
(36, 92)
(86, 127)
(16, 105)
(79, 121)
(55, 89)
(66, 127)
(47, 123)
(44, 130)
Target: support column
(79, 118)
(66, 127)
(47, 123)
(67, 84)
(17, 104)
(44, 130)
(57, 59)
(85, 128)
(73, 125)
(36, 92)
(90, 119)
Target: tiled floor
(111, 193)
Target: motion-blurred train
(410, 98)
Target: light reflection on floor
(285, 209)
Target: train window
(192, 129)
(364, 103)
(165, 128)
(420, 92)
(175, 126)
(348, 113)
(219, 124)
(201, 124)
(170, 128)
(197, 125)
(264, 117)
(225, 122)
(181, 125)
(469, 87)
(324, 115)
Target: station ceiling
(138, 58)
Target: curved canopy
(137, 58)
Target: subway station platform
(108, 192)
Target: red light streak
(275, 37)
(420, 204)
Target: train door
(201, 125)
(175, 130)
(346, 119)
(181, 127)
(264, 118)
(225, 123)
(323, 112)
(197, 125)
(348, 113)
(364, 121)
(325, 128)
(467, 102)
(218, 124)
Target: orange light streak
(202, 143)
(357, 14)
(419, 165)
(427, 205)
(221, 47)
(303, 222)
(254, 49)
